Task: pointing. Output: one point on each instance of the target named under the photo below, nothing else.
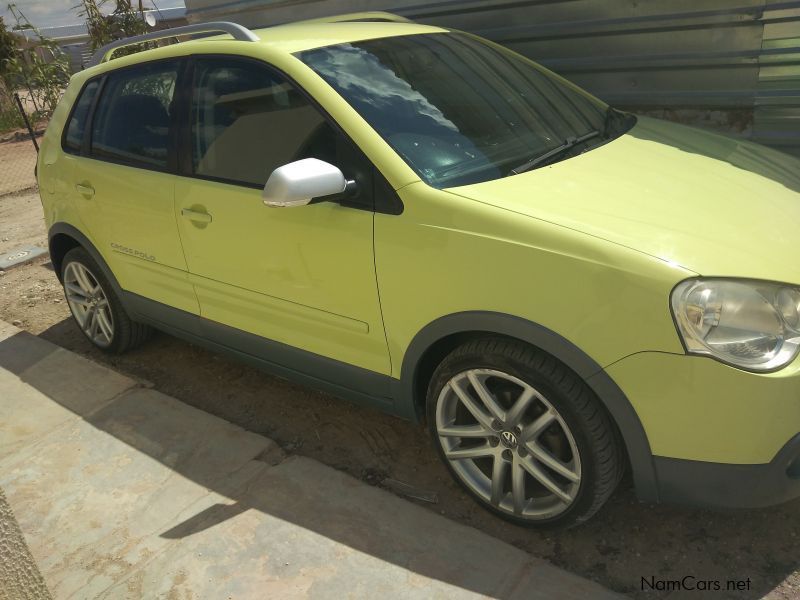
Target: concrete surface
(124, 492)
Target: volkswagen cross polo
(419, 220)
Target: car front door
(123, 186)
(302, 276)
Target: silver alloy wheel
(89, 304)
(508, 444)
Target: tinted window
(247, 121)
(456, 109)
(73, 136)
(131, 123)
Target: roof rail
(369, 17)
(237, 31)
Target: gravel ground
(625, 543)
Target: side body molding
(609, 393)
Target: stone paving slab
(124, 492)
(28, 411)
(332, 537)
(97, 492)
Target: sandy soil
(626, 542)
(21, 221)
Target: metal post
(27, 122)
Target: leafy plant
(41, 67)
(124, 21)
(8, 48)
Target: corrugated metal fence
(732, 65)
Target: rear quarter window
(76, 126)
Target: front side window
(73, 134)
(247, 121)
(132, 120)
(459, 110)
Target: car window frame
(172, 146)
(385, 202)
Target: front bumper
(718, 435)
(732, 486)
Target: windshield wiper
(568, 144)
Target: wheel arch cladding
(59, 244)
(439, 338)
(63, 238)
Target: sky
(46, 13)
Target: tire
(551, 460)
(95, 307)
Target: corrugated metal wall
(732, 65)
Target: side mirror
(299, 182)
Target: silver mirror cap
(297, 183)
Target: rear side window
(248, 120)
(132, 120)
(73, 134)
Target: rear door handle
(194, 215)
(85, 190)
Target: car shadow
(627, 545)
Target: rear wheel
(523, 434)
(96, 308)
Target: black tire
(127, 334)
(599, 449)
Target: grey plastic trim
(717, 485)
(237, 31)
(358, 385)
(597, 379)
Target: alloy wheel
(508, 444)
(89, 304)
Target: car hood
(709, 203)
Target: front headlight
(754, 325)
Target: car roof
(296, 37)
(288, 38)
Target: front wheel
(523, 434)
(95, 307)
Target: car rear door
(123, 181)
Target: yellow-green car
(422, 221)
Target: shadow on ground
(626, 543)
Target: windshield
(459, 110)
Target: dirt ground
(625, 543)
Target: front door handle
(195, 215)
(85, 190)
